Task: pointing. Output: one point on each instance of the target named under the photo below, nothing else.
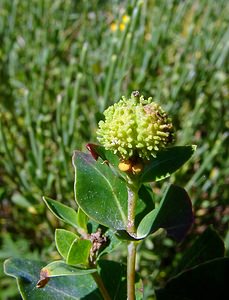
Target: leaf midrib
(123, 216)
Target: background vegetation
(62, 63)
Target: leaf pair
(74, 250)
(68, 283)
(68, 215)
(102, 194)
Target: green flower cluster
(135, 128)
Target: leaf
(145, 203)
(106, 155)
(206, 247)
(82, 220)
(60, 268)
(166, 163)
(79, 252)
(173, 214)
(62, 212)
(27, 273)
(144, 228)
(112, 273)
(99, 193)
(206, 281)
(64, 239)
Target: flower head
(135, 128)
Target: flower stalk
(132, 200)
(131, 258)
(133, 187)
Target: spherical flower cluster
(135, 128)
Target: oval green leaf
(60, 268)
(166, 163)
(62, 212)
(98, 192)
(173, 214)
(82, 220)
(79, 252)
(64, 240)
(27, 273)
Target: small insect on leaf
(44, 278)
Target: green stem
(131, 258)
(133, 188)
(101, 286)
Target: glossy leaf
(145, 203)
(112, 273)
(79, 252)
(166, 163)
(206, 281)
(173, 214)
(82, 219)
(60, 268)
(206, 247)
(98, 192)
(64, 240)
(27, 273)
(61, 211)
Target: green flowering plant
(116, 205)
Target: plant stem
(132, 200)
(101, 286)
(133, 188)
(131, 257)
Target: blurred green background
(62, 63)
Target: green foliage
(166, 162)
(95, 184)
(61, 64)
(61, 211)
(67, 287)
(173, 214)
(59, 269)
(64, 239)
(99, 193)
(79, 252)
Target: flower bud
(135, 128)
(125, 165)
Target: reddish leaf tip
(44, 278)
